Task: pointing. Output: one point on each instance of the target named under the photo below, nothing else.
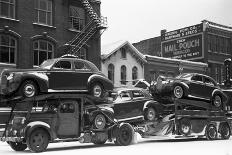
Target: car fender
(39, 77)
(107, 111)
(219, 92)
(154, 104)
(38, 124)
(107, 84)
(184, 85)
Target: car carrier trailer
(191, 118)
(35, 122)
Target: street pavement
(141, 147)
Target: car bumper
(11, 139)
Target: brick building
(207, 42)
(32, 31)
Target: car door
(82, 74)
(62, 76)
(196, 86)
(138, 100)
(209, 87)
(122, 105)
(68, 119)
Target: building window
(222, 74)
(76, 18)
(82, 53)
(216, 74)
(111, 72)
(8, 48)
(43, 50)
(134, 74)
(7, 8)
(44, 12)
(123, 53)
(123, 75)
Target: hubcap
(185, 129)
(38, 140)
(178, 92)
(100, 121)
(217, 101)
(97, 91)
(29, 90)
(151, 114)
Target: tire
(211, 132)
(28, 89)
(217, 101)
(99, 121)
(18, 146)
(178, 92)
(96, 90)
(150, 114)
(185, 127)
(225, 131)
(125, 135)
(38, 140)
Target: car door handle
(48, 73)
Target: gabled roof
(109, 49)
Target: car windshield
(47, 64)
(183, 76)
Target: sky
(136, 20)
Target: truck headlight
(19, 120)
(100, 121)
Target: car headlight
(100, 121)
(10, 77)
(19, 120)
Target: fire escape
(95, 24)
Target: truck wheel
(211, 132)
(217, 101)
(96, 90)
(125, 134)
(28, 89)
(225, 131)
(150, 114)
(38, 140)
(178, 92)
(18, 146)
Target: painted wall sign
(185, 44)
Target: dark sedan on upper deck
(192, 85)
(55, 75)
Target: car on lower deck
(134, 104)
(55, 75)
(192, 85)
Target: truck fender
(37, 124)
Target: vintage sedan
(135, 104)
(55, 75)
(192, 85)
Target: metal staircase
(95, 24)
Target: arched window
(123, 53)
(123, 74)
(134, 74)
(111, 72)
(43, 50)
(8, 48)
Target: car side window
(63, 65)
(80, 65)
(197, 78)
(67, 108)
(209, 82)
(137, 94)
(124, 96)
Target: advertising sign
(185, 44)
(185, 48)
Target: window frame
(80, 19)
(123, 53)
(9, 4)
(111, 70)
(38, 49)
(123, 74)
(134, 74)
(47, 11)
(9, 47)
